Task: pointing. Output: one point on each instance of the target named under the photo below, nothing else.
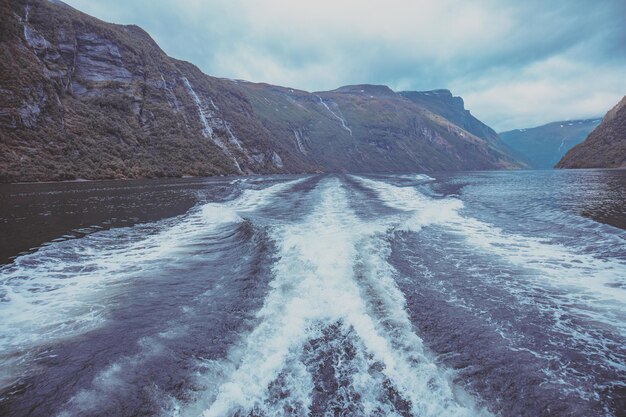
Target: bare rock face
(80, 98)
(99, 59)
(605, 147)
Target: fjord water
(469, 294)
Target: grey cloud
(515, 63)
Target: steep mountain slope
(543, 146)
(369, 128)
(81, 98)
(443, 103)
(605, 147)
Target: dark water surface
(34, 214)
(468, 294)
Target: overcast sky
(517, 63)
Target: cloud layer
(516, 64)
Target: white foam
(423, 177)
(422, 210)
(62, 289)
(553, 263)
(315, 285)
(116, 377)
(570, 287)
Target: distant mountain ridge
(543, 146)
(605, 147)
(82, 98)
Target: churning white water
(63, 289)
(332, 270)
(381, 295)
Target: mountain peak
(444, 103)
(369, 89)
(440, 95)
(442, 92)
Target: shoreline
(84, 180)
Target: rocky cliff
(81, 98)
(605, 147)
(443, 103)
(543, 146)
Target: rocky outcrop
(543, 146)
(81, 98)
(605, 147)
(443, 103)
(98, 59)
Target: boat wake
(324, 295)
(333, 333)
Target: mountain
(605, 147)
(369, 128)
(443, 103)
(543, 146)
(82, 98)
